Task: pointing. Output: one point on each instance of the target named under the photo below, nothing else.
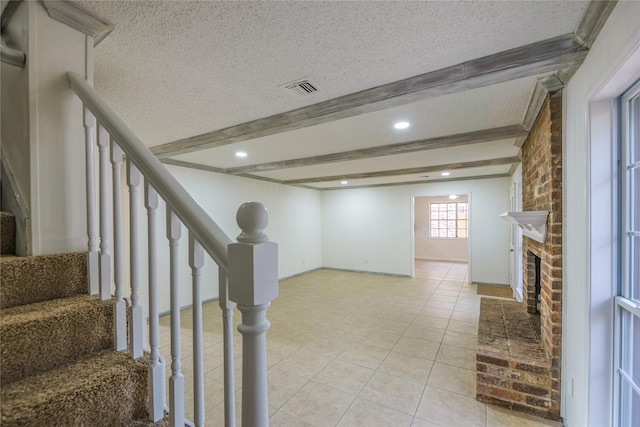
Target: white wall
(431, 248)
(294, 213)
(294, 224)
(46, 148)
(371, 229)
(589, 222)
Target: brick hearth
(513, 370)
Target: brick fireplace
(504, 368)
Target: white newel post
(253, 284)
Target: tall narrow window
(627, 302)
(449, 220)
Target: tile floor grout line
(322, 298)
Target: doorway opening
(441, 235)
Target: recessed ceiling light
(344, 182)
(241, 154)
(401, 125)
(445, 173)
(453, 197)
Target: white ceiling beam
(593, 18)
(533, 59)
(413, 182)
(408, 171)
(448, 141)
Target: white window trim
(602, 241)
(449, 238)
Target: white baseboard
(442, 259)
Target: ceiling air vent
(301, 87)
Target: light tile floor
(352, 349)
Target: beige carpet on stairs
(57, 366)
(26, 280)
(108, 389)
(75, 327)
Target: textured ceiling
(178, 69)
(491, 106)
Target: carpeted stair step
(38, 337)
(7, 234)
(25, 280)
(107, 389)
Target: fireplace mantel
(533, 223)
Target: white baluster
(156, 369)
(176, 382)
(92, 225)
(196, 262)
(120, 307)
(253, 284)
(105, 208)
(227, 325)
(136, 328)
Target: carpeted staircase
(57, 363)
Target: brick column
(542, 190)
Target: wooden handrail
(212, 238)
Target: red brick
(492, 380)
(539, 412)
(505, 394)
(492, 360)
(539, 380)
(493, 401)
(530, 389)
(498, 371)
(532, 368)
(538, 402)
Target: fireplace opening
(536, 263)
(533, 287)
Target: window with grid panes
(449, 220)
(627, 302)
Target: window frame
(626, 302)
(456, 221)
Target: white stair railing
(92, 229)
(247, 269)
(227, 326)
(156, 368)
(196, 262)
(120, 308)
